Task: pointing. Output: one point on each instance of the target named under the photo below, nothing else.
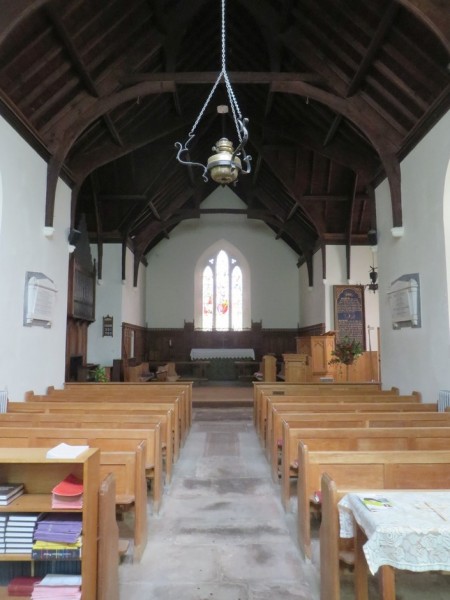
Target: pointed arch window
(222, 293)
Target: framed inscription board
(349, 315)
(107, 326)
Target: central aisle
(222, 533)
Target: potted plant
(99, 375)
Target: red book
(22, 586)
(70, 486)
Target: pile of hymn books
(9, 492)
(56, 587)
(57, 537)
(18, 532)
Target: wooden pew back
(96, 420)
(388, 418)
(139, 389)
(328, 399)
(261, 389)
(116, 397)
(356, 439)
(128, 468)
(115, 408)
(108, 541)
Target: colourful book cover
(375, 503)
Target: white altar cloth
(236, 353)
(414, 534)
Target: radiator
(443, 400)
(3, 401)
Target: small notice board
(349, 314)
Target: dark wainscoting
(174, 344)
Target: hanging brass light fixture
(226, 163)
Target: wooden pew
(356, 407)
(128, 468)
(361, 470)
(415, 470)
(130, 478)
(108, 541)
(94, 416)
(104, 407)
(154, 468)
(141, 390)
(268, 401)
(356, 439)
(387, 418)
(307, 389)
(327, 399)
(118, 397)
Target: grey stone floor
(222, 533)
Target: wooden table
(413, 535)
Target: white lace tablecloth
(236, 353)
(414, 534)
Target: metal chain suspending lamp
(225, 165)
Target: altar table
(234, 353)
(413, 535)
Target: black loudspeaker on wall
(372, 237)
(74, 236)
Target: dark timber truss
(338, 92)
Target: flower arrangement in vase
(346, 352)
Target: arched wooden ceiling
(337, 93)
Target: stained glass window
(222, 294)
(208, 294)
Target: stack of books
(68, 493)
(3, 519)
(22, 586)
(58, 586)
(58, 537)
(19, 532)
(9, 492)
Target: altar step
(225, 394)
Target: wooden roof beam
(350, 226)
(375, 43)
(72, 51)
(80, 67)
(210, 77)
(435, 14)
(376, 131)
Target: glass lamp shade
(221, 168)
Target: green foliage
(99, 374)
(346, 352)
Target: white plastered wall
(115, 298)
(273, 267)
(31, 358)
(417, 359)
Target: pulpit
(319, 349)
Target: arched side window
(222, 283)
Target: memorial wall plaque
(349, 316)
